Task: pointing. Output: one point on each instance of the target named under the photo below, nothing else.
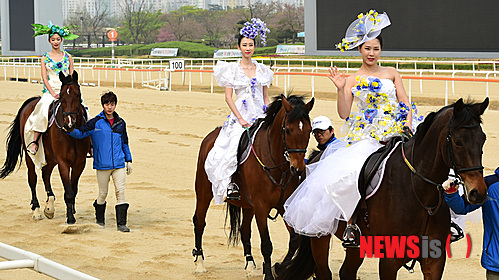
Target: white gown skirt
(330, 192)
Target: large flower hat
(254, 28)
(52, 29)
(365, 28)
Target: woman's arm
(266, 99)
(46, 81)
(401, 95)
(343, 85)
(233, 108)
(71, 65)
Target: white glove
(128, 168)
(450, 186)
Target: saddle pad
(244, 148)
(375, 181)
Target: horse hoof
(71, 221)
(49, 208)
(199, 266)
(251, 271)
(37, 215)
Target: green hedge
(185, 49)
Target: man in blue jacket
(323, 131)
(490, 212)
(112, 157)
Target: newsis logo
(405, 246)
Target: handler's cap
(322, 123)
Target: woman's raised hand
(338, 79)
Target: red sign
(112, 34)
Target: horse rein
(432, 210)
(287, 151)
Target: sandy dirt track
(165, 131)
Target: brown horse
(409, 202)
(60, 149)
(281, 144)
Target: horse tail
(14, 143)
(302, 265)
(234, 213)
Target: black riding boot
(121, 211)
(233, 192)
(100, 213)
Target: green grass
(185, 49)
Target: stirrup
(233, 192)
(351, 236)
(31, 143)
(458, 234)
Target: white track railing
(19, 258)
(416, 65)
(150, 73)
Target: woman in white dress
(250, 81)
(52, 62)
(330, 191)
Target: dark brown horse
(280, 145)
(410, 203)
(60, 149)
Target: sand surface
(165, 131)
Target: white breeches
(119, 177)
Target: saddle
(244, 148)
(372, 164)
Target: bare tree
(182, 23)
(89, 22)
(291, 18)
(135, 15)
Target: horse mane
(300, 111)
(468, 113)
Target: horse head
(464, 147)
(296, 130)
(70, 98)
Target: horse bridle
(450, 150)
(287, 150)
(432, 210)
(65, 114)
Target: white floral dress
(221, 162)
(38, 120)
(330, 192)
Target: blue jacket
(110, 144)
(490, 212)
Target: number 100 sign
(176, 64)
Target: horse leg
(388, 268)
(248, 214)
(320, 251)
(266, 244)
(203, 199)
(49, 205)
(75, 178)
(294, 243)
(69, 196)
(352, 261)
(433, 268)
(35, 205)
(351, 264)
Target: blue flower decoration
(254, 28)
(59, 64)
(369, 114)
(375, 85)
